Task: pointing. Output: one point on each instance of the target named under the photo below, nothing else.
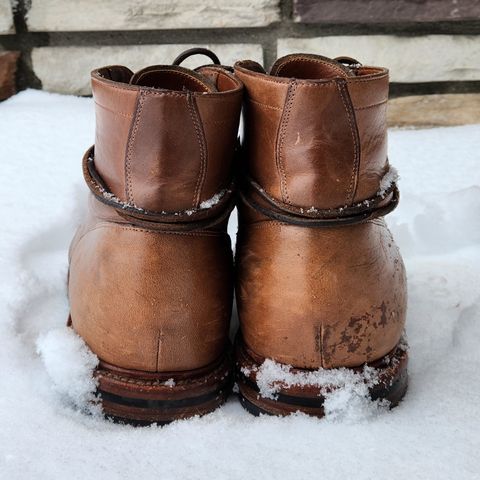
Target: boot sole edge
(133, 399)
(392, 386)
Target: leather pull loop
(254, 196)
(348, 61)
(196, 51)
(192, 219)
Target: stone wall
(432, 47)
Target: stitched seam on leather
(311, 60)
(220, 96)
(281, 139)
(195, 116)
(372, 106)
(132, 381)
(136, 88)
(264, 78)
(238, 86)
(263, 224)
(267, 80)
(267, 224)
(163, 94)
(316, 85)
(212, 74)
(363, 80)
(151, 91)
(200, 380)
(116, 112)
(198, 82)
(111, 84)
(154, 232)
(263, 104)
(192, 234)
(132, 135)
(216, 122)
(356, 150)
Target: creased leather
(151, 269)
(315, 147)
(138, 151)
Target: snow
(170, 383)
(272, 376)
(387, 180)
(345, 391)
(209, 203)
(70, 365)
(205, 205)
(212, 201)
(433, 433)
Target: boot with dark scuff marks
(151, 281)
(320, 282)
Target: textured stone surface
(77, 15)
(434, 110)
(8, 67)
(67, 69)
(384, 11)
(410, 59)
(6, 17)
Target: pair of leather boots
(319, 282)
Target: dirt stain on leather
(345, 338)
(354, 345)
(383, 316)
(355, 323)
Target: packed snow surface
(45, 382)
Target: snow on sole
(143, 398)
(390, 385)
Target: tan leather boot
(320, 281)
(150, 282)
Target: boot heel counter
(320, 297)
(375, 311)
(143, 299)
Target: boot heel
(142, 398)
(390, 384)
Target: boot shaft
(151, 270)
(320, 282)
(165, 136)
(316, 134)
